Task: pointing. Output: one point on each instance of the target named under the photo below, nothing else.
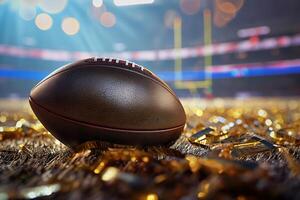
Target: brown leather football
(109, 100)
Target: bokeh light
(225, 11)
(31, 3)
(221, 19)
(190, 7)
(43, 21)
(152, 197)
(229, 6)
(70, 26)
(53, 6)
(132, 2)
(108, 19)
(27, 12)
(96, 12)
(97, 3)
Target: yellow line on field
(177, 45)
(207, 43)
(193, 85)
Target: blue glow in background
(140, 28)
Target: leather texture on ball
(107, 99)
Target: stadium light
(254, 31)
(131, 2)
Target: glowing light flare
(40, 191)
(110, 174)
(70, 26)
(190, 7)
(99, 168)
(53, 6)
(97, 3)
(152, 197)
(262, 113)
(145, 159)
(268, 122)
(132, 2)
(20, 123)
(3, 118)
(43, 21)
(108, 19)
(199, 112)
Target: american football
(109, 100)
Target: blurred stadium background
(208, 48)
